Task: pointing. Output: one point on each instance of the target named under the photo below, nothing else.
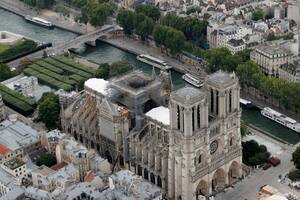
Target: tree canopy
(107, 71)
(221, 58)
(296, 158)
(6, 73)
(40, 3)
(49, 110)
(97, 13)
(258, 14)
(46, 159)
(149, 10)
(254, 154)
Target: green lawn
(4, 47)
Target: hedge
(16, 104)
(6, 90)
(68, 68)
(71, 63)
(16, 101)
(49, 67)
(78, 79)
(18, 49)
(44, 79)
(52, 74)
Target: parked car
(267, 166)
(274, 161)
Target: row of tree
(170, 31)
(40, 3)
(96, 13)
(286, 93)
(193, 28)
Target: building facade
(270, 58)
(188, 144)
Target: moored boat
(192, 80)
(150, 60)
(246, 103)
(39, 21)
(281, 119)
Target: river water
(104, 53)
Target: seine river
(104, 53)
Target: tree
(254, 154)
(149, 10)
(125, 19)
(228, 62)
(174, 40)
(5, 72)
(145, 27)
(119, 68)
(49, 110)
(258, 14)
(296, 157)
(159, 34)
(247, 73)
(103, 71)
(97, 13)
(46, 159)
(244, 129)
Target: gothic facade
(188, 145)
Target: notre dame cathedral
(186, 141)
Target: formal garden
(60, 73)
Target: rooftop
(188, 94)
(98, 85)
(221, 78)
(43, 170)
(16, 135)
(161, 114)
(14, 163)
(4, 150)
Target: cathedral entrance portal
(218, 181)
(234, 172)
(202, 188)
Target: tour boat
(192, 80)
(150, 60)
(246, 103)
(39, 21)
(281, 119)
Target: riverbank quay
(138, 47)
(67, 23)
(262, 104)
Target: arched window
(231, 142)
(199, 159)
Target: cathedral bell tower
(188, 116)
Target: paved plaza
(249, 187)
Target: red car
(274, 161)
(267, 166)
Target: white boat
(39, 21)
(281, 119)
(150, 60)
(245, 102)
(192, 80)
